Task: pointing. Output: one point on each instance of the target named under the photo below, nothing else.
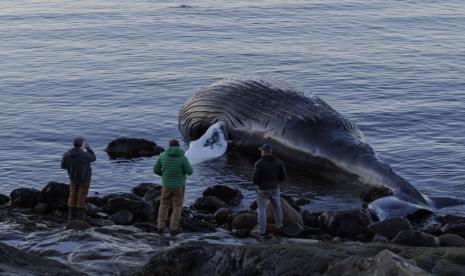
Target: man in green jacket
(173, 167)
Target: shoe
(175, 232)
(72, 212)
(256, 234)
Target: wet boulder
(141, 189)
(41, 208)
(4, 199)
(454, 228)
(293, 230)
(451, 240)
(391, 227)
(123, 217)
(222, 215)
(415, 238)
(375, 193)
(24, 198)
(208, 204)
(244, 220)
(227, 194)
(96, 200)
(118, 203)
(132, 148)
(311, 219)
(347, 224)
(55, 195)
(290, 215)
(380, 239)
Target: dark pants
(78, 194)
(170, 197)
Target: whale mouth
(211, 145)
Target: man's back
(77, 162)
(173, 167)
(268, 172)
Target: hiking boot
(81, 213)
(72, 212)
(175, 232)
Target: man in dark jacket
(172, 166)
(77, 162)
(267, 174)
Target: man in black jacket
(77, 162)
(267, 174)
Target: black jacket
(268, 172)
(77, 162)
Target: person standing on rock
(172, 166)
(77, 162)
(268, 172)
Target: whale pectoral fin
(392, 207)
(439, 202)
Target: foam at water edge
(210, 146)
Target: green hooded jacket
(173, 167)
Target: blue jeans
(262, 202)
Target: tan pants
(170, 197)
(78, 194)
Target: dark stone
(227, 194)
(415, 238)
(222, 215)
(241, 233)
(451, 240)
(24, 198)
(93, 210)
(4, 199)
(375, 193)
(123, 217)
(96, 200)
(347, 224)
(55, 195)
(99, 222)
(380, 239)
(41, 208)
(293, 230)
(456, 228)
(302, 201)
(78, 225)
(196, 225)
(132, 148)
(116, 204)
(244, 221)
(311, 219)
(391, 227)
(452, 219)
(141, 189)
(208, 204)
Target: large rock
(78, 225)
(385, 263)
(454, 228)
(55, 195)
(311, 219)
(132, 148)
(290, 215)
(391, 227)
(141, 189)
(123, 217)
(18, 262)
(304, 258)
(4, 199)
(227, 194)
(293, 230)
(116, 204)
(96, 200)
(415, 238)
(244, 221)
(451, 240)
(222, 215)
(348, 224)
(24, 198)
(208, 204)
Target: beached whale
(305, 132)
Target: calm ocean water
(105, 69)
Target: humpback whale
(305, 133)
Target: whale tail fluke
(211, 145)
